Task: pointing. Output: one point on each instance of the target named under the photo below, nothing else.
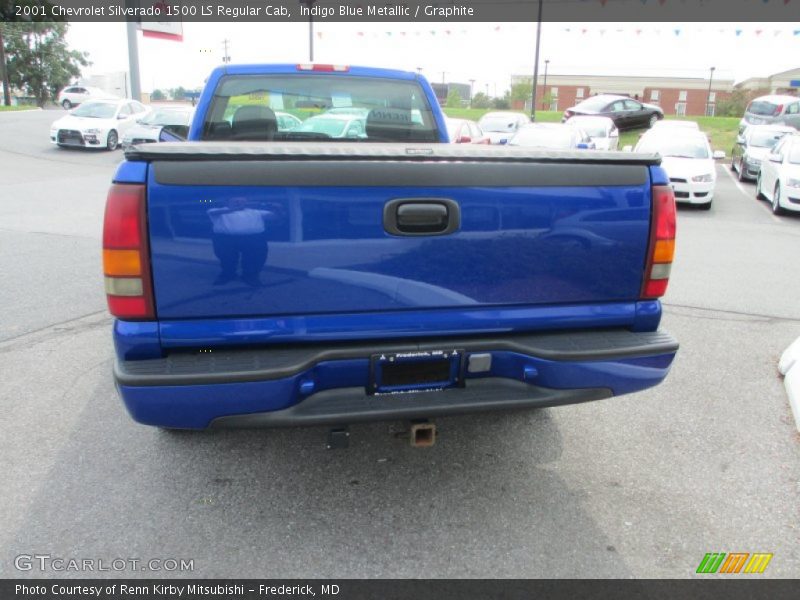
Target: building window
(553, 98)
(579, 93)
(680, 109)
(655, 95)
(682, 96)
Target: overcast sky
(487, 52)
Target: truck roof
(293, 68)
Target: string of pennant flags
(576, 31)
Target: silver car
(174, 120)
(500, 127)
(552, 136)
(601, 131)
(772, 110)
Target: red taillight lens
(661, 250)
(126, 260)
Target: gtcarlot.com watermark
(58, 564)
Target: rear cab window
(329, 107)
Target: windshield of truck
(390, 110)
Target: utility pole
(443, 74)
(471, 83)
(536, 62)
(226, 58)
(708, 98)
(4, 67)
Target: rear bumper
(327, 384)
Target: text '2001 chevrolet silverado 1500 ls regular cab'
(328, 273)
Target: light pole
(708, 98)
(536, 62)
(310, 4)
(544, 87)
(471, 83)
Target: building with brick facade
(675, 95)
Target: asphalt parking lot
(637, 486)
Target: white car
(779, 178)
(688, 161)
(601, 130)
(74, 95)
(97, 124)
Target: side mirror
(627, 149)
(614, 133)
(740, 140)
(464, 139)
(120, 117)
(776, 158)
(718, 155)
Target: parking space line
(749, 196)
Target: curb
(18, 112)
(789, 366)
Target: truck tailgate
(251, 230)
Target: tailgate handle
(421, 216)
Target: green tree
(158, 95)
(38, 59)
(481, 100)
(521, 90)
(735, 104)
(454, 100)
(178, 93)
(501, 103)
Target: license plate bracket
(422, 370)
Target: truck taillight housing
(661, 250)
(126, 260)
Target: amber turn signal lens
(122, 263)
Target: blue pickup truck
(268, 276)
